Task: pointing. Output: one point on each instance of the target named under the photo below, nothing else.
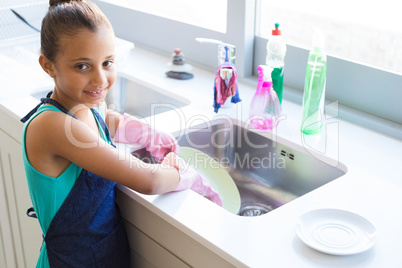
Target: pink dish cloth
(224, 91)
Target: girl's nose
(99, 77)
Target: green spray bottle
(314, 87)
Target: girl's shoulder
(42, 140)
(47, 116)
(53, 129)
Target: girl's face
(84, 70)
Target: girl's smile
(95, 94)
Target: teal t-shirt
(48, 193)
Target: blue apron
(87, 230)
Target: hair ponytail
(67, 17)
(53, 3)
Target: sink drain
(252, 210)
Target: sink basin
(136, 98)
(267, 173)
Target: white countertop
(372, 186)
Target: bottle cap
(276, 31)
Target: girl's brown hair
(67, 17)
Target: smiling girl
(70, 161)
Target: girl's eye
(108, 63)
(82, 67)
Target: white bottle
(276, 51)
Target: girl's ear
(47, 66)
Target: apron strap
(104, 126)
(43, 101)
(64, 110)
(31, 213)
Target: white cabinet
(2, 255)
(145, 252)
(155, 242)
(21, 236)
(6, 240)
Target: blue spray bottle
(265, 107)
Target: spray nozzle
(318, 39)
(264, 73)
(226, 52)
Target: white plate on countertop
(336, 232)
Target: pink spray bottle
(265, 108)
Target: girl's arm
(131, 130)
(71, 139)
(112, 119)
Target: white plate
(336, 232)
(216, 175)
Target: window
(364, 47)
(367, 95)
(209, 14)
(364, 31)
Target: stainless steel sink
(268, 174)
(136, 98)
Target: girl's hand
(191, 179)
(130, 130)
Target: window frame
(366, 95)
